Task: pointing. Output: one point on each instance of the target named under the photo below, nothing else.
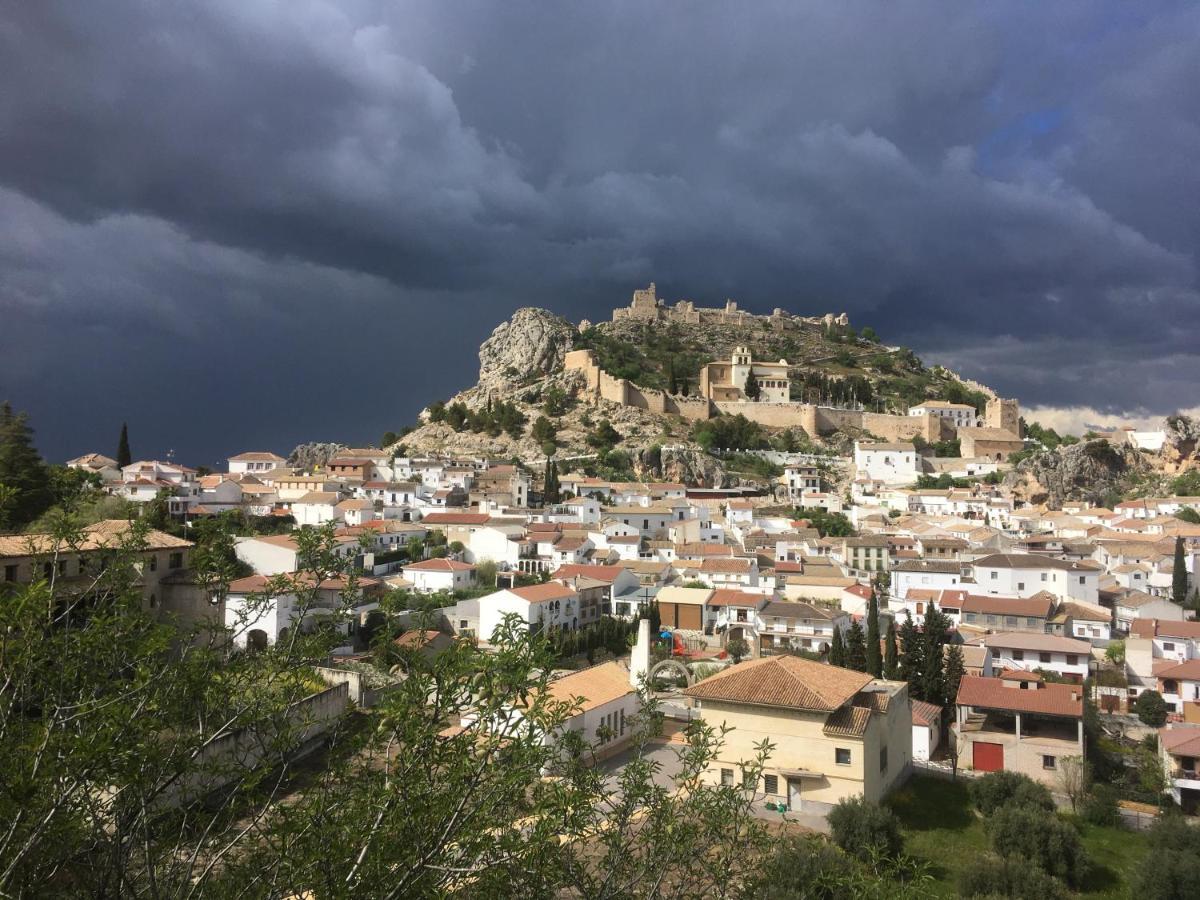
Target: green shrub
(992, 876)
(1034, 835)
(1170, 870)
(808, 866)
(1151, 708)
(996, 789)
(1100, 807)
(865, 830)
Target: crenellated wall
(814, 420)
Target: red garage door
(988, 757)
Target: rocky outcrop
(681, 464)
(1181, 449)
(313, 454)
(531, 344)
(1092, 471)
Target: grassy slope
(941, 828)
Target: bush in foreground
(1033, 835)
(992, 876)
(865, 830)
(1170, 869)
(997, 789)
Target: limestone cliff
(1093, 471)
(313, 454)
(1181, 449)
(529, 345)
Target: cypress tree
(124, 457)
(874, 657)
(837, 648)
(1179, 578)
(856, 648)
(934, 637)
(891, 663)
(954, 673)
(911, 662)
(750, 389)
(24, 479)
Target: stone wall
(813, 419)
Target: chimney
(639, 661)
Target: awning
(800, 773)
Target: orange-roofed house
(1179, 750)
(551, 606)
(837, 733)
(1018, 725)
(255, 462)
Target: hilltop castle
(647, 306)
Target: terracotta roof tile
(1050, 699)
(787, 681)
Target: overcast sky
(240, 224)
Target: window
(153, 563)
(841, 756)
(10, 573)
(1082, 579)
(462, 623)
(1168, 645)
(771, 784)
(727, 777)
(749, 781)
(1072, 659)
(883, 759)
(1044, 657)
(1010, 620)
(1043, 576)
(47, 571)
(175, 561)
(1018, 655)
(1020, 585)
(1049, 762)
(1031, 621)
(994, 575)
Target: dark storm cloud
(297, 219)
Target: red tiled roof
(925, 713)
(734, 565)
(1180, 739)
(543, 593)
(1007, 606)
(734, 597)
(1162, 628)
(1184, 671)
(1050, 699)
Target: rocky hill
(522, 380)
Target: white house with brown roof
(551, 606)
(261, 610)
(926, 729)
(1028, 652)
(837, 733)
(432, 575)
(1026, 574)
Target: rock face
(1092, 471)
(681, 464)
(1181, 449)
(314, 453)
(529, 345)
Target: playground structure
(686, 646)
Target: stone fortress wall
(814, 419)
